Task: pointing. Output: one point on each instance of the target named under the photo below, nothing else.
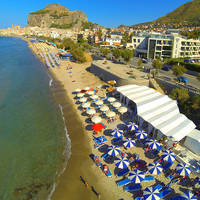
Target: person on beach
(86, 184)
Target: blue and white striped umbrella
(128, 143)
(122, 162)
(153, 144)
(168, 156)
(183, 169)
(155, 168)
(141, 134)
(132, 126)
(136, 176)
(151, 193)
(188, 196)
(117, 132)
(114, 150)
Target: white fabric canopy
(158, 110)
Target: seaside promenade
(73, 76)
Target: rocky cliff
(56, 16)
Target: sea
(34, 143)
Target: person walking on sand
(86, 184)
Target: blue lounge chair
(123, 172)
(165, 192)
(158, 187)
(139, 198)
(149, 178)
(104, 156)
(100, 140)
(168, 165)
(123, 182)
(132, 188)
(117, 139)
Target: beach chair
(123, 182)
(100, 140)
(132, 188)
(168, 165)
(117, 139)
(104, 156)
(165, 192)
(122, 172)
(158, 187)
(149, 178)
(139, 198)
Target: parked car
(144, 60)
(182, 79)
(165, 68)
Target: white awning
(158, 110)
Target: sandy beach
(70, 185)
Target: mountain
(56, 16)
(188, 15)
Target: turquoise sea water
(31, 125)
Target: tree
(99, 34)
(80, 40)
(196, 102)
(181, 95)
(139, 63)
(78, 54)
(178, 70)
(127, 55)
(69, 44)
(157, 64)
(86, 46)
(116, 52)
(125, 38)
(105, 51)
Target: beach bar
(155, 112)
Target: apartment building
(152, 45)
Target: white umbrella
(96, 119)
(90, 92)
(83, 99)
(77, 90)
(86, 88)
(99, 102)
(116, 104)
(110, 114)
(80, 94)
(104, 108)
(86, 105)
(91, 112)
(94, 97)
(111, 99)
(122, 110)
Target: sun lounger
(132, 188)
(100, 140)
(165, 192)
(123, 172)
(117, 139)
(149, 178)
(123, 182)
(108, 173)
(103, 125)
(158, 187)
(104, 156)
(167, 166)
(139, 198)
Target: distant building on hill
(173, 45)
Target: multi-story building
(152, 45)
(114, 39)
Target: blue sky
(109, 13)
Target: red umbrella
(91, 89)
(83, 91)
(97, 127)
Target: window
(138, 40)
(134, 40)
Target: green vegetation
(191, 34)
(88, 25)
(181, 95)
(139, 64)
(86, 46)
(198, 76)
(63, 26)
(58, 16)
(105, 51)
(116, 53)
(127, 55)
(99, 34)
(178, 70)
(78, 54)
(157, 64)
(42, 11)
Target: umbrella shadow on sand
(122, 126)
(107, 132)
(88, 120)
(84, 113)
(104, 148)
(88, 127)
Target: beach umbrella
(188, 196)
(90, 92)
(86, 88)
(153, 144)
(141, 134)
(122, 110)
(183, 169)
(116, 104)
(121, 162)
(155, 168)
(83, 99)
(77, 90)
(132, 126)
(104, 108)
(94, 97)
(129, 142)
(86, 105)
(80, 95)
(151, 193)
(136, 176)
(91, 112)
(110, 114)
(114, 150)
(96, 119)
(168, 156)
(117, 132)
(111, 99)
(97, 127)
(99, 102)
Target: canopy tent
(158, 110)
